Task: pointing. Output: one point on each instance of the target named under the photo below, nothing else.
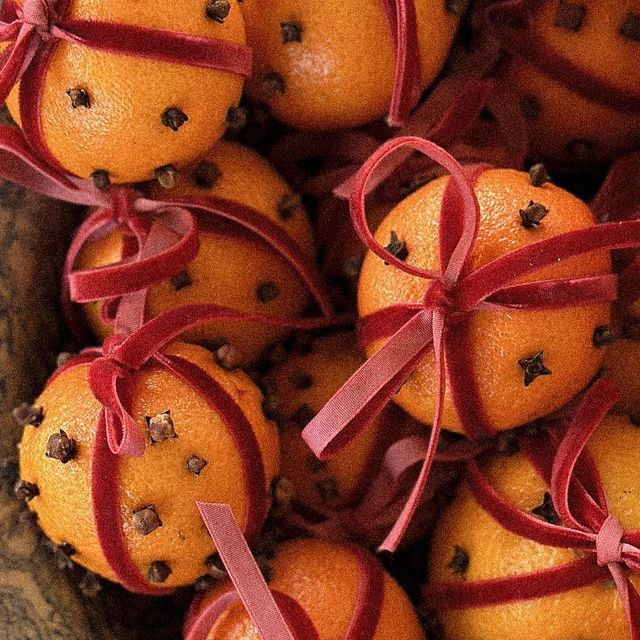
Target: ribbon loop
(609, 542)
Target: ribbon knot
(609, 542)
(123, 205)
(38, 14)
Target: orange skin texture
(621, 366)
(498, 339)
(600, 49)
(158, 478)
(594, 611)
(330, 364)
(341, 73)
(228, 267)
(323, 577)
(122, 132)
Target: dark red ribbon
(34, 29)
(276, 616)
(161, 237)
(619, 199)
(111, 377)
(587, 524)
(441, 320)
(509, 21)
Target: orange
(621, 366)
(329, 64)
(122, 132)
(303, 384)
(498, 339)
(594, 611)
(231, 269)
(591, 39)
(159, 478)
(323, 577)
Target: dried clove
(288, 205)
(166, 176)
(61, 447)
(79, 98)
(101, 179)
(630, 27)
(291, 31)
(267, 291)
(158, 571)
(603, 336)
(174, 118)
(181, 281)
(160, 427)
(146, 520)
(227, 357)
(218, 10)
(533, 368)
(196, 465)
(272, 85)
(460, 562)
(27, 414)
(546, 510)
(397, 247)
(533, 215)
(206, 175)
(570, 16)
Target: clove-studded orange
(469, 545)
(191, 453)
(526, 363)
(232, 268)
(602, 39)
(323, 579)
(302, 384)
(330, 64)
(119, 118)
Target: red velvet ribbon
(370, 518)
(34, 29)
(275, 615)
(160, 246)
(509, 21)
(111, 378)
(161, 237)
(441, 320)
(451, 111)
(407, 87)
(619, 199)
(586, 522)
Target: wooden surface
(38, 601)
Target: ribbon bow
(582, 507)
(439, 322)
(34, 29)
(112, 372)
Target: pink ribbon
(34, 29)
(582, 507)
(276, 616)
(440, 320)
(402, 19)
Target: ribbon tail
(244, 572)
(399, 529)
(369, 389)
(407, 82)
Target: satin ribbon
(510, 23)
(34, 29)
(407, 86)
(367, 521)
(440, 322)
(161, 237)
(275, 615)
(586, 522)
